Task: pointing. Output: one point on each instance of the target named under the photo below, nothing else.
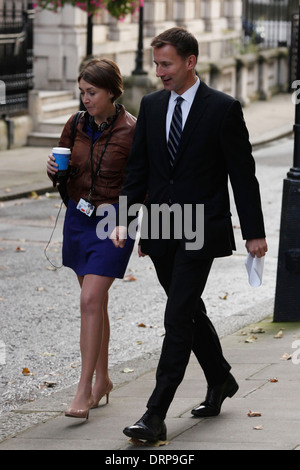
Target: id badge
(85, 207)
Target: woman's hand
(119, 236)
(52, 167)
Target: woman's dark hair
(184, 42)
(103, 73)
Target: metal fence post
(287, 296)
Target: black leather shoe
(215, 397)
(150, 428)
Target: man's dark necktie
(175, 130)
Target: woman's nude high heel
(106, 393)
(82, 414)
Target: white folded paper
(255, 267)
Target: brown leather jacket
(109, 181)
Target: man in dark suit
(183, 154)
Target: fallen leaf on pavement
(51, 268)
(139, 443)
(257, 330)
(27, 372)
(259, 427)
(279, 334)
(127, 370)
(251, 339)
(20, 250)
(286, 357)
(129, 278)
(224, 297)
(157, 443)
(274, 380)
(49, 384)
(74, 365)
(142, 325)
(253, 414)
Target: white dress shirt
(188, 97)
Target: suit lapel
(158, 127)
(196, 113)
(162, 108)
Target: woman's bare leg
(94, 293)
(103, 384)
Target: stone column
(233, 13)
(119, 30)
(155, 17)
(59, 47)
(185, 15)
(211, 13)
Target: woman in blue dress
(96, 171)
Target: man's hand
(119, 236)
(140, 253)
(257, 246)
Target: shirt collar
(189, 94)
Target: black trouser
(187, 326)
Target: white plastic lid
(62, 150)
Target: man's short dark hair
(184, 42)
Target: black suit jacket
(214, 146)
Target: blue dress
(86, 253)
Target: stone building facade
(60, 39)
(60, 46)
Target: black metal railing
(267, 23)
(16, 55)
(294, 49)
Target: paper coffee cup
(62, 157)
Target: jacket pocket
(109, 183)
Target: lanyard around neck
(96, 173)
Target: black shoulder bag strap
(74, 125)
(62, 187)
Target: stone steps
(43, 139)
(50, 110)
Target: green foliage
(117, 8)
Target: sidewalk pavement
(269, 386)
(264, 359)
